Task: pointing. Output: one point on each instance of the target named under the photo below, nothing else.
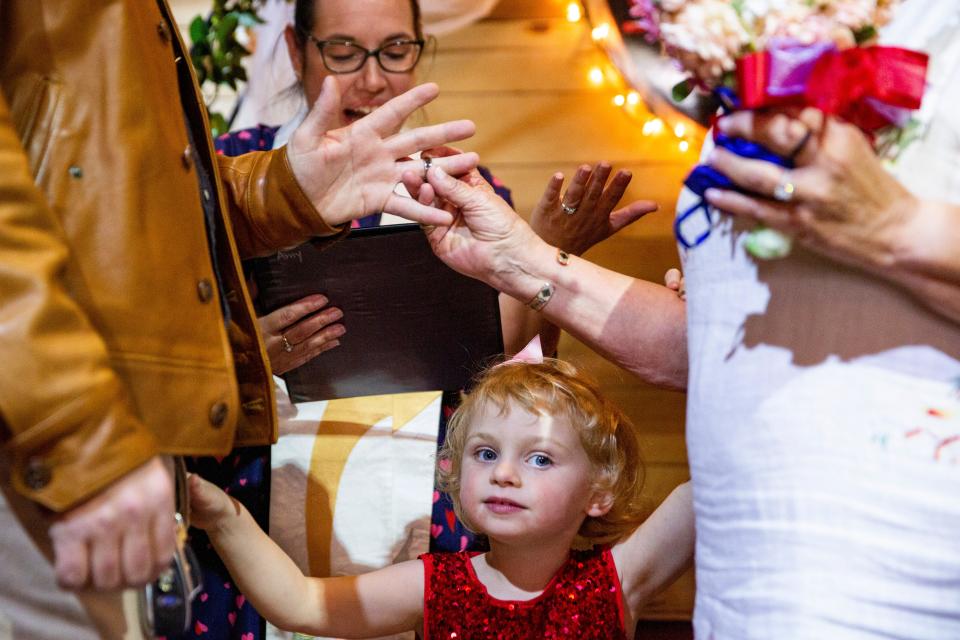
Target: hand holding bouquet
(755, 54)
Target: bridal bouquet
(774, 53)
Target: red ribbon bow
(846, 83)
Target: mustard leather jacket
(113, 343)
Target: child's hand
(673, 279)
(210, 507)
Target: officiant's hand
(299, 332)
(584, 215)
(838, 201)
(487, 240)
(351, 172)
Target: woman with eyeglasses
(371, 48)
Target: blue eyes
(486, 455)
(538, 460)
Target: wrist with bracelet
(547, 289)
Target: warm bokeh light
(596, 76)
(574, 13)
(653, 127)
(684, 146)
(680, 130)
(619, 100)
(633, 98)
(600, 32)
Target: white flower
(707, 36)
(712, 32)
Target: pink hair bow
(531, 354)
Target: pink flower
(707, 36)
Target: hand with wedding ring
(351, 172)
(584, 215)
(838, 200)
(299, 332)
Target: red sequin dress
(582, 602)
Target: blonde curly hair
(558, 388)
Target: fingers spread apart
(388, 119)
(407, 143)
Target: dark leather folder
(413, 324)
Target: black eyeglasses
(343, 56)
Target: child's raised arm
(657, 552)
(374, 604)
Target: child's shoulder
(446, 561)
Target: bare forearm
(263, 572)
(659, 551)
(638, 325)
(925, 260)
(379, 603)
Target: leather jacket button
(163, 30)
(37, 474)
(218, 414)
(204, 290)
(186, 158)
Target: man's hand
(123, 537)
(351, 172)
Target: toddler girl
(544, 466)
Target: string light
(630, 101)
(596, 76)
(653, 127)
(600, 32)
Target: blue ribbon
(705, 177)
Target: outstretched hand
(209, 505)
(584, 215)
(351, 172)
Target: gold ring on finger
(285, 344)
